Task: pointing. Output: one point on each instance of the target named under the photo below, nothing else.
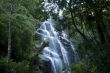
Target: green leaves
(25, 16)
(13, 67)
(83, 67)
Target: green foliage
(25, 15)
(89, 19)
(95, 54)
(16, 67)
(23, 32)
(83, 68)
(13, 67)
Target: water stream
(60, 51)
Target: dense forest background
(87, 22)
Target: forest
(54, 36)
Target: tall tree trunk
(9, 33)
(100, 25)
(9, 39)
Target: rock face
(35, 62)
(46, 68)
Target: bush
(83, 68)
(13, 67)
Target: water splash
(56, 53)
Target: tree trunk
(9, 33)
(9, 39)
(100, 25)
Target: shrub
(13, 67)
(83, 68)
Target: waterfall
(60, 49)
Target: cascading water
(56, 53)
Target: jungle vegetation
(88, 24)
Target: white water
(56, 53)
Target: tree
(90, 19)
(9, 32)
